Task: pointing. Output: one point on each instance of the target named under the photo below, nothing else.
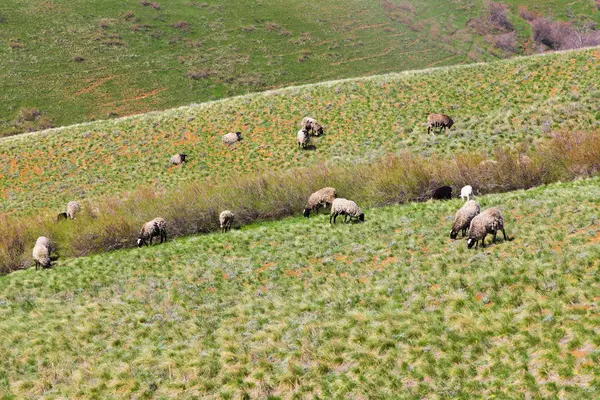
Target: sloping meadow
(386, 308)
(494, 104)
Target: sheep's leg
(36, 264)
(483, 241)
(495, 236)
(428, 129)
(504, 233)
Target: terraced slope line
(493, 104)
(359, 311)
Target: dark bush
(181, 25)
(497, 16)
(197, 74)
(504, 41)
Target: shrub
(15, 44)
(181, 25)
(129, 16)
(527, 14)
(497, 16)
(504, 41)
(197, 74)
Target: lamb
(466, 192)
(347, 208)
(178, 159)
(320, 198)
(73, 209)
(489, 221)
(226, 220)
(441, 193)
(303, 139)
(310, 124)
(232, 137)
(61, 217)
(41, 252)
(156, 227)
(463, 217)
(438, 121)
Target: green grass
(136, 58)
(296, 308)
(503, 103)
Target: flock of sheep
(467, 218)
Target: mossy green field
(138, 56)
(504, 103)
(390, 308)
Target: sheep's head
(239, 135)
(361, 217)
(471, 242)
(306, 213)
(140, 242)
(183, 156)
(453, 234)
(450, 123)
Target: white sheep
(178, 159)
(347, 208)
(41, 252)
(489, 221)
(226, 219)
(463, 218)
(309, 124)
(303, 139)
(320, 198)
(156, 227)
(73, 209)
(466, 192)
(232, 137)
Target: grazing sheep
(466, 192)
(489, 221)
(320, 198)
(232, 137)
(442, 193)
(226, 220)
(303, 139)
(156, 227)
(61, 216)
(73, 209)
(178, 159)
(438, 121)
(347, 208)
(463, 218)
(311, 125)
(41, 252)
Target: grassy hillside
(388, 308)
(502, 103)
(77, 60)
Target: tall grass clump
(112, 223)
